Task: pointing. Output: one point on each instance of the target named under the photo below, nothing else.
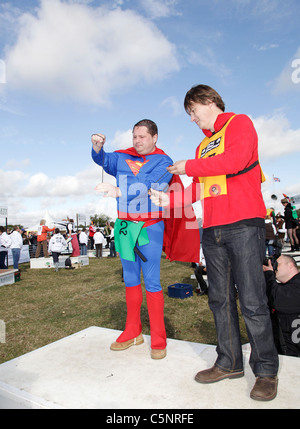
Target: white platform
(7, 277)
(39, 263)
(92, 253)
(81, 372)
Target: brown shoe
(126, 344)
(265, 389)
(158, 353)
(214, 374)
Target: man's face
(283, 272)
(143, 142)
(202, 115)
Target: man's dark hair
(150, 125)
(203, 94)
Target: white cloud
(81, 184)
(38, 185)
(207, 58)
(173, 104)
(159, 8)
(122, 140)
(275, 136)
(28, 197)
(270, 12)
(11, 182)
(266, 47)
(73, 51)
(17, 163)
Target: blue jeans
(83, 249)
(112, 249)
(234, 258)
(16, 256)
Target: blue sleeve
(107, 160)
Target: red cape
(182, 233)
(131, 151)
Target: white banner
(296, 199)
(81, 218)
(3, 211)
(24, 255)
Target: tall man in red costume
(226, 164)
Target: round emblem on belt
(215, 190)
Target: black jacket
(285, 299)
(288, 217)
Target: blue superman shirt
(135, 175)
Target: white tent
(50, 222)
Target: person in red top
(92, 231)
(42, 239)
(226, 168)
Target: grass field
(46, 306)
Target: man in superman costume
(143, 230)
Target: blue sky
(74, 67)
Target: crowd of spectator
(15, 238)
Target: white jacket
(99, 238)
(57, 243)
(16, 240)
(5, 242)
(83, 238)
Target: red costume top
(242, 199)
(42, 232)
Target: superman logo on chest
(135, 166)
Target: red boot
(155, 303)
(133, 328)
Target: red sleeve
(240, 146)
(46, 229)
(181, 234)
